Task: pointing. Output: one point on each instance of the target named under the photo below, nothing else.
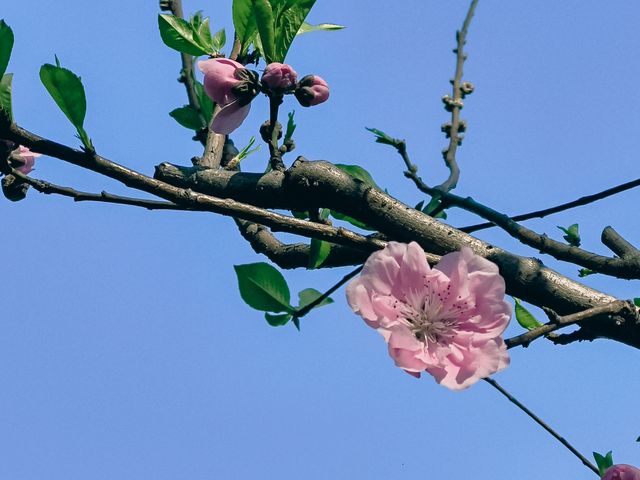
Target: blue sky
(125, 350)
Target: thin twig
(455, 104)
(539, 421)
(303, 311)
(619, 267)
(557, 322)
(586, 200)
(49, 188)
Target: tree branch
(625, 311)
(455, 104)
(586, 200)
(320, 184)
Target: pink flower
(621, 472)
(25, 158)
(279, 76)
(221, 77)
(445, 320)
(312, 90)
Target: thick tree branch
(186, 197)
(320, 184)
(294, 255)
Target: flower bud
(621, 472)
(279, 77)
(312, 90)
(232, 87)
(23, 159)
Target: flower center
(428, 326)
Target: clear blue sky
(125, 350)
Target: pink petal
(229, 118)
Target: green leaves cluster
(264, 288)
(6, 45)
(271, 25)
(572, 235)
(192, 37)
(66, 89)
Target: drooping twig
(303, 311)
(557, 322)
(540, 422)
(454, 104)
(586, 200)
(103, 197)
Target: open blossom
(221, 76)
(24, 158)
(445, 320)
(312, 90)
(621, 472)
(279, 76)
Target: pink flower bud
(279, 76)
(621, 472)
(222, 79)
(312, 90)
(24, 158)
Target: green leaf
(188, 117)
(246, 151)
(244, 22)
(178, 34)
(263, 287)
(203, 35)
(603, 462)
(318, 253)
(288, 23)
(6, 45)
(309, 295)
(206, 104)
(356, 171)
(431, 207)
(585, 272)
(266, 27)
(319, 249)
(327, 27)
(636, 302)
(277, 320)
(351, 220)
(5, 94)
(291, 127)
(382, 137)
(66, 89)
(572, 235)
(219, 40)
(524, 317)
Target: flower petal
(229, 118)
